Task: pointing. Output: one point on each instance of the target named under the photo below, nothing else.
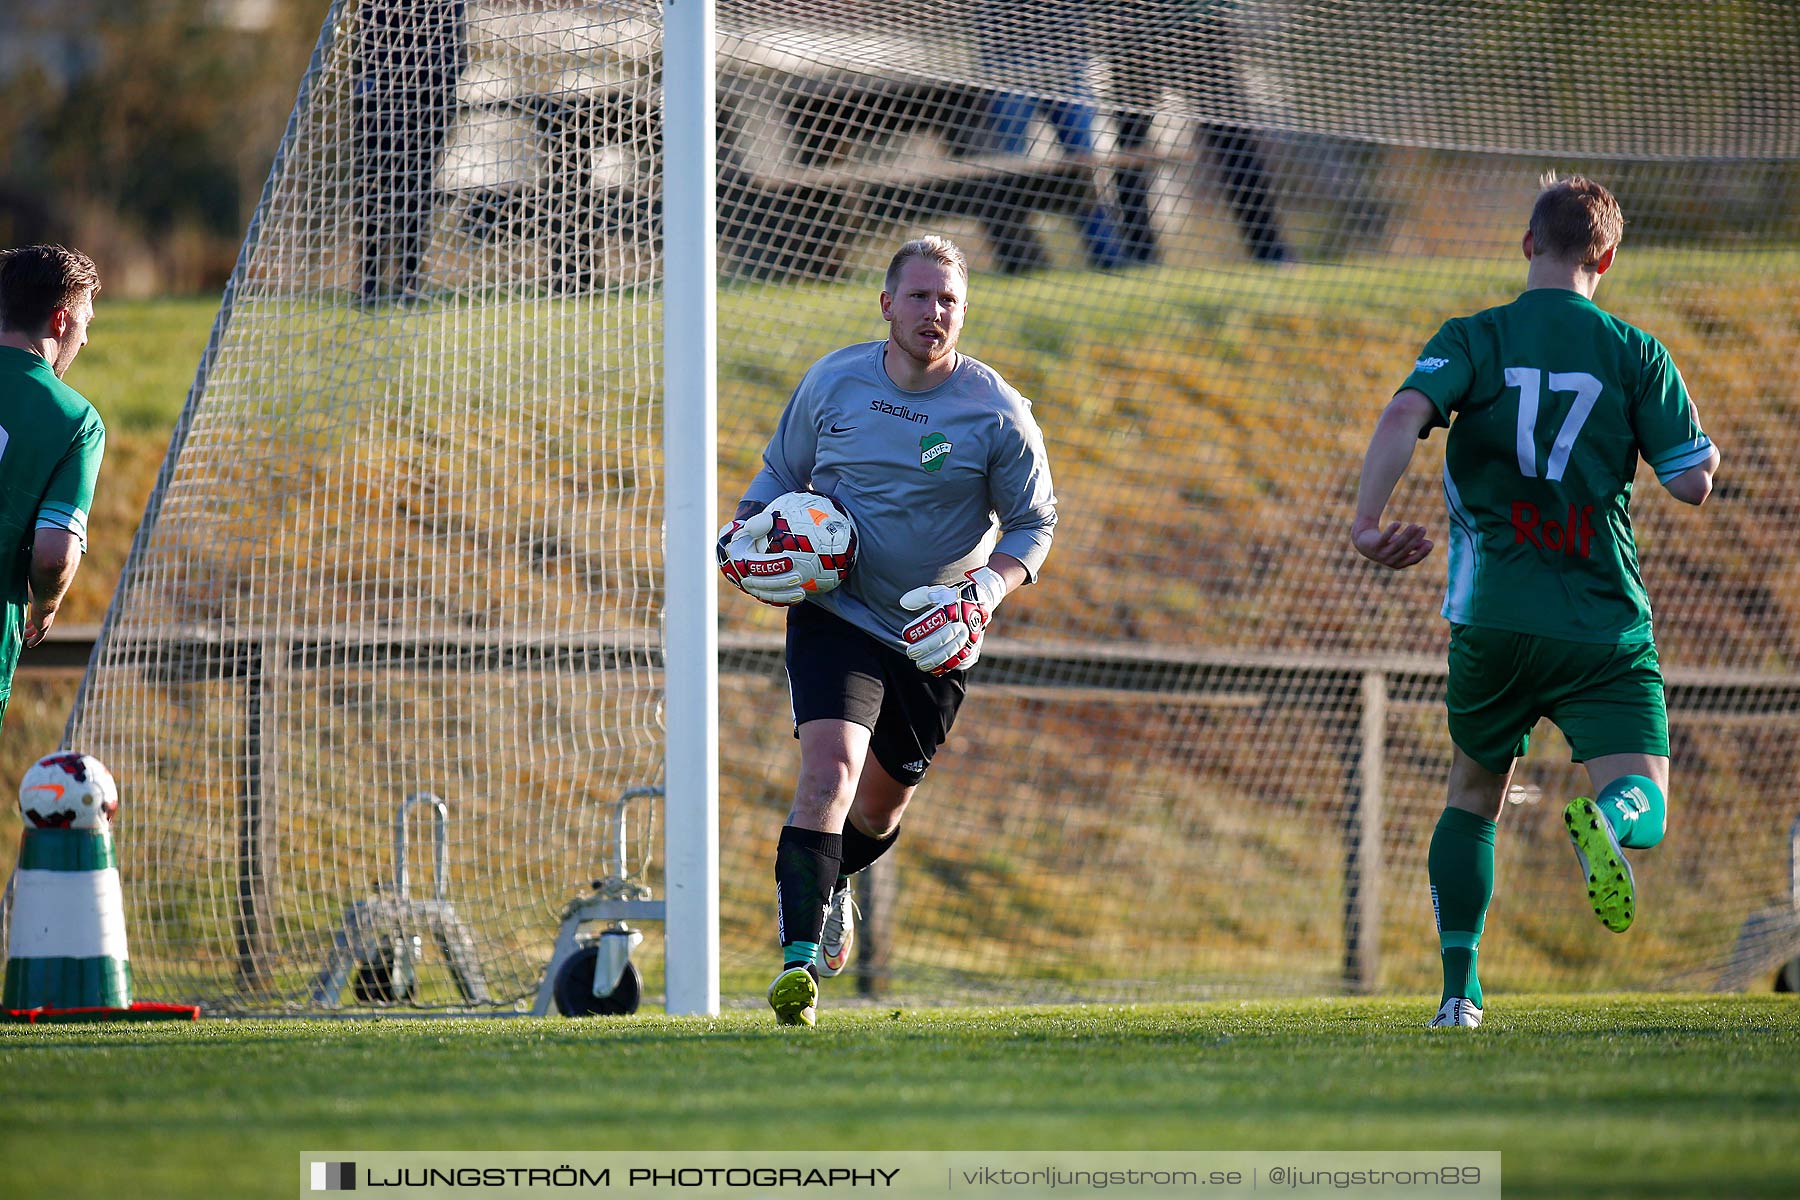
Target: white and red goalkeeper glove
(948, 637)
(770, 578)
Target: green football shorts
(1606, 699)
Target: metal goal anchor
(380, 941)
(593, 975)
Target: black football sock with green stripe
(806, 871)
(1461, 866)
(860, 850)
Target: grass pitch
(1648, 1096)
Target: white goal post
(690, 436)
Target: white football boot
(839, 935)
(1456, 1013)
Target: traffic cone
(66, 957)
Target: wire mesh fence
(408, 536)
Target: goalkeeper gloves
(770, 578)
(948, 637)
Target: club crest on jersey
(934, 448)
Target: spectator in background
(51, 441)
(1187, 46)
(1039, 53)
(410, 54)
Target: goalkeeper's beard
(917, 347)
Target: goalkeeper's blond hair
(932, 247)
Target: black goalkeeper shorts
(838, 672)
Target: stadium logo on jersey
(898, 410)
(1428, 365)
(933, 449)
(1571, 537)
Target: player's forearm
(1695, 484)
(1028, 544)
(1390, 453)
(765, 487)
(48, 587)
(55, 557)
(1009, 569)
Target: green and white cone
(66, 947)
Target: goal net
(407, 537)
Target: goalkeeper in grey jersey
(942, 467)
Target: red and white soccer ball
(817, 535)
(68, 791)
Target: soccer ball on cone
(818, 535)
(68, 791)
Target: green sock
(1461, 866)
(1635, 808)
(799, 952)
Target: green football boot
(794, 996)
(1610, 886)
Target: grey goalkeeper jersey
(930, 478)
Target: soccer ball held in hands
(801, 544)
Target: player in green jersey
(1550, 403)
(51, 441)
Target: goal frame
(690, 435)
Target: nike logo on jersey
(842, 428)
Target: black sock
(860, 850)
(806, 870)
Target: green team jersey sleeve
(69, 495)
(1444, 372)
(1663, 417)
